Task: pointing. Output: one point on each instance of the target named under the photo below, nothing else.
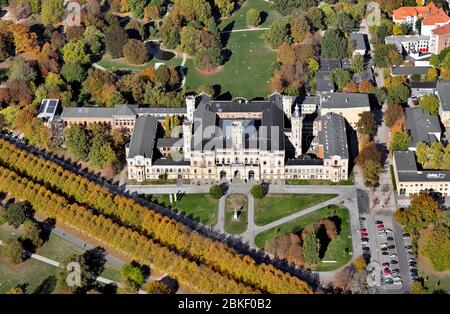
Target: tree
(162, 76)
(158, 287)
(315, 17)
(436, 246)
(94, 40)
(137, 7)
(277, 34)
(399, 141)
(393, 113)
(170, 124)
(52, 11)
(216, 191)
(357, 65)
(366, 123)
(432, 74)
(387, 56)
(422, 211)
(371, 170)
(398, 93)
(225, 7)
(135, 51)
(77, 140)
(31, 234)
(422, 153)
(341, 77)
(430, 103)
(345, 23)
(75, 52)
(311, 246)
(133, 274)
(20, 289)
(253, 17)
(20, 69)
(101, 152)
(208, 59)
(73, 72)
(333, 45)
(16, 214)
(258, 191)
(6, 46)
(115, 39)
(13, 252)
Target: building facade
(240, 140)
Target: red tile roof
(431, 14)
(443, 30)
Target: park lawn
(275, 206)
(34, 272)
(339, 249)
(121, 64)
(200, 206)
(236, 201)
(246, 74)
(239, 17)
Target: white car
(382, 234)
(383, 245)
(393, 255)
(389, 230)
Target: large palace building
(262, 140)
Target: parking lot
(385, 243)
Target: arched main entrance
(223, 174)
(251, 174)
(236, 174)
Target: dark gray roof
(423, 85)
(421, 125)
(118, 110)
(359, 41)
(205, 121)
(169, 142)
(407, 171)
(310, 100)
(272, 123)
(409, 70)
(87, 112)
(330, 64)
(443, 91)
(323, 83)
(333, 136)
(344, 100)
(143, 138)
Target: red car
(364, 234)
(385, 264)
(387, 271)
(380, 226)
(363, 230)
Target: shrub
(216, 191)
(253, 17)
(258, 191)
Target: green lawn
(199, 206)
(432, 282)
(275, 206)
(33, 272)
(236, 201)
(338, 249)
(246, 74)
(239, 17)
(121, 64)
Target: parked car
(388, 281)
(365, 239)
(391, 247)
(393, 255)
(363, 230)
(393, 261)
(385, 264)
(411, 260)
(386, 271)
(406, 235)
(389, 230)
(378, 222)
(384, 253)
(382, 234)
(380, 226)
(390, 238)
(364, 234)
(408, 247)
(362, 218)
(384, 249)
(366, 248)
(382, 245)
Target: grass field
(238, 19)
(248, 71)
(199, 206)
(34, 272)
(236, 201)
(273, 206)
(338, 249)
